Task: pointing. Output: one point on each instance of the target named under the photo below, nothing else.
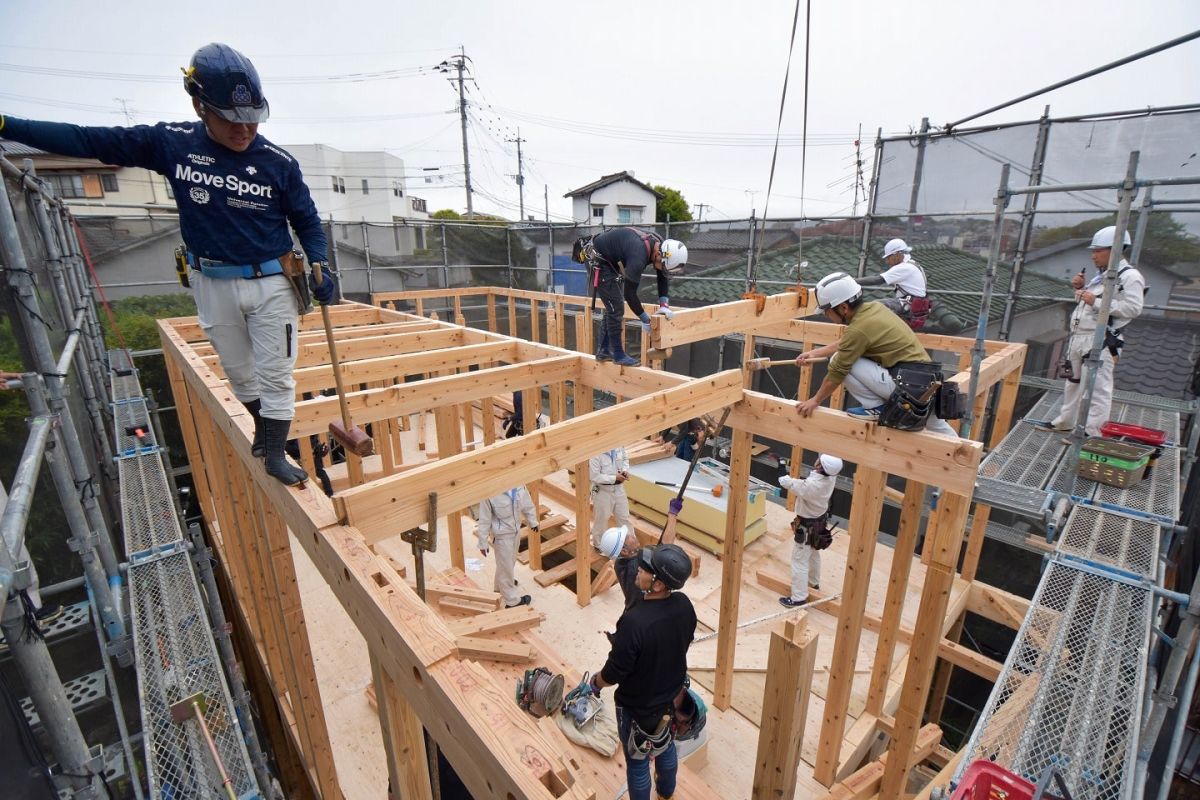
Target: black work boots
(274, 438)
(256, 447)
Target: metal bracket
(760, 301)
(77, 544)
(423, 540)
(802, 292)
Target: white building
(358, 185)
(617, 199)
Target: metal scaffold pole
(1027, 217)
(29, 650)
(20, 282)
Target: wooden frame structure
(399, 364)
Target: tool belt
(812, 531)
(912, 401)
(642, 744)
(1114, 340)
(918, 312)
(690, 714)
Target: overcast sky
(681, 93)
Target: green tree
(672, 204)
(1166, 244)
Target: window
(339, 185)
(598, 213)
(342, 185)
(108, 181)
(397, 189)
(629, 215)
(365, 189)
(333, 178)
(418, 204)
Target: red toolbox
(1123, 430)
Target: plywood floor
(576, 635)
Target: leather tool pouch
(293, 268)
(912, 401)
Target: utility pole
(520, 176)
(858, 175)
(125, 109)
(458, 63)
(546, 193)
(700, 211)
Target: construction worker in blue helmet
(237, 194)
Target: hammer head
(355, 440)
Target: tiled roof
(1158, 357)
(606, 180)
(17, 149)
(945, 268)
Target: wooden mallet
(355, 440)
(757, 364)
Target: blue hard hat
(225, 81)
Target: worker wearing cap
(618, 258)
(812, 512)
(500, 519)
(237, 194)
(621, 545)
(608, 473)
(874, 345)
(907, 278)
(1126, 306)
(648, 664)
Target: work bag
(812, 531)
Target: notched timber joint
(802, 294)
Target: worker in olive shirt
(648, 665)
(874, 344)
(237, 194)
(618, 258)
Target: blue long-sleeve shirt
(233, 207)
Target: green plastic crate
(1113, 463)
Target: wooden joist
(493, 649)
(505, 620)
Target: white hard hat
(674, 253)
(830, 465)
(835, 289)
(1104, 238)
(612, 540)
(895, 246)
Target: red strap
(112, 320)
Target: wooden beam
(478, 647)
(893, 605)
(505, 620)
(865, 783)
(389, 402)
(997, 605)
(946, 527)
(708, 322)
(790, 662)
(397, 502)
(731, 566)
(938, 460)
(403, 739)
(972, 661)
(377, 346)
(860, 556)
(320, 376)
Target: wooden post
(893, 605)
(512, 315)
(583, 332)
(803, 390)
(449, 443)
(583, 537)
(785, 710)
(864, 527)
(731, 567)
(531, 409)
(946, 523)
(535, 320)
(403, 739)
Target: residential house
(617, 199)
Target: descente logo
(231, 182)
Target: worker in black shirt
(648, 665)
(618, 258)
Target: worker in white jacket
(608, 472)
(812, 510)
(1126, 306)
(500, 517)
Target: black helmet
(225, 81)
(668, 563)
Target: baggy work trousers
(504, 545)
(806, 570)
(1078, 348)
(252, 326)
(608, 500)
(609, 290)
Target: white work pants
(806, 570)
(252, 325)
(872, 385)
(608, 500)
(504, 545)
(1079, 346)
